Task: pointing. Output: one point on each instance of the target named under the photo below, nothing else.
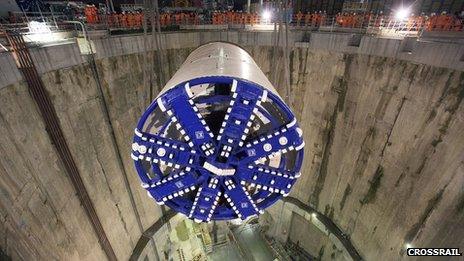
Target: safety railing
(411, 24)
(38, 32)
(44, 17)
(324, 22)
(30, 23)
(134, 20)
(37, 22)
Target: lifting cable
(150, 71)
(274, 47)
(280, 31)
(150, 11)
(286, 58)
(147, 65)
(156, 33)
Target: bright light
(38, 28)
(40, 32)
(267, 15)
(314, 215)
(407, 245)
(402, 14)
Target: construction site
(231, 130)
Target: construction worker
(247, 18)
(240, 18)
(448, 22)
(323, 18)
(313, 19)
(123, 20)
(217, 16)
(352, 20)
(299, 17)
(410, 23)
(230, 17)
(168, 19)
(138, 20)
(90, 14)
(349, 20)
(190, 18)
(163, 19)
(118, 20)
(196, 19)
(420, 22)
(115, 18)
(359, 20)
(95, 14)
(130, 20)
(431, 22)
(318, 18)
(184, 18)
(255, 18)
(368, 19)
(214, 18)
(457, 24)
(339, 19)
(177, 18)
(87, 13)
(222, 18)
(307, 19)
(440, 22)
(109, 19)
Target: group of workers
(131, 20)
(126, 20)
(232, 17)
(167, 19)
(441, 22)
(134, 20)
(314, 19)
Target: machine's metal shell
(219, 59)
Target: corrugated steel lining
(41, 97)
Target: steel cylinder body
(219, 59)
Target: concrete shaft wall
(383, 129)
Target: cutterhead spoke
(178, 104)
(156, 149)
(271, 179)
(172, 186)
(239, 199)
(206, 201)
(281, 141)
(239, 117)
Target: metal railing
(310, 20)
(442, 23)
(362, 23)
